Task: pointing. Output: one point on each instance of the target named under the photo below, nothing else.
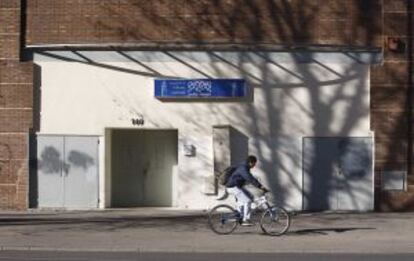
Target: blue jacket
(241, 176)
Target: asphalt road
(135, 256)
(158, 231)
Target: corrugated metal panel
(50, 171)
(81, 172)
(67, 171)
(338, 173)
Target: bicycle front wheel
(223, 219)
(275, 221)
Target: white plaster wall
(293, 96)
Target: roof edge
(178, 46)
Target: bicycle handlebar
(264, 192)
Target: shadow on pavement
(176, 223)
(302, 232)
(326, 231)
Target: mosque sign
(200, 88)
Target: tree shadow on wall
(80, 159)
(51, 161)
(279, 87)
(395, 143)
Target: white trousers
(243, 201)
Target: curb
(154, 250)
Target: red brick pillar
(15, 109)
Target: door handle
(338, 171)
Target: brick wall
(364, 23)
(390, 100)
(339, 22)
(15, 110)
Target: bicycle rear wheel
(223, 219)
(275, 221)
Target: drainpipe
(23, 26)
(410, 91)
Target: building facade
(325, 102)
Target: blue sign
(201, 88)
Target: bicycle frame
(239, 215)
(260, 202)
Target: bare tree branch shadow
(326, 231)
(288, 23)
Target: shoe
(247, 223)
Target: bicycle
(275, 221)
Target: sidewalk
(172, 230)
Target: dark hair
(251, 159)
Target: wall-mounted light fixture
(396, 44)
(189, 150)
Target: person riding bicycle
(235, 185)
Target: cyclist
(235, 185)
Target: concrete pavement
(173, 230)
